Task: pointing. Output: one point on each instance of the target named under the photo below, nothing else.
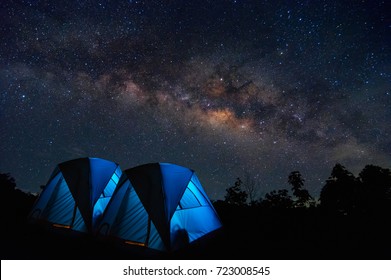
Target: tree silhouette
(376, 188)
(341, 191)
(235, 195)
(250, 185)
(277, 199)
(7, 183)
(303, 198)
(15, 203)
(378, 178)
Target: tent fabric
(161, 206)
(146, 179)
(77, 193)
(175, 180)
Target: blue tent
(161, 206)
(77, 194)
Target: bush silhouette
(235, 195)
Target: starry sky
(249, 89)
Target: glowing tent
(77, 194)
(160, 206)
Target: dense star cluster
(228, 88)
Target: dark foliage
(277, 199)
(15, 204)
(235, 195)
(340, 192)
(303, 197)
(368, 194)
(375, 189)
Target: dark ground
(248, 233)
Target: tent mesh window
(192, 197)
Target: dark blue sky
(250, 89)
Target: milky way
(250, 89)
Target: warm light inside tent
(135, 243)
(61, 226)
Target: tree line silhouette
(349, 220)
(368, 193)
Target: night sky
(229, 89)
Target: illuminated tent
(160, 206)
(77, 194)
